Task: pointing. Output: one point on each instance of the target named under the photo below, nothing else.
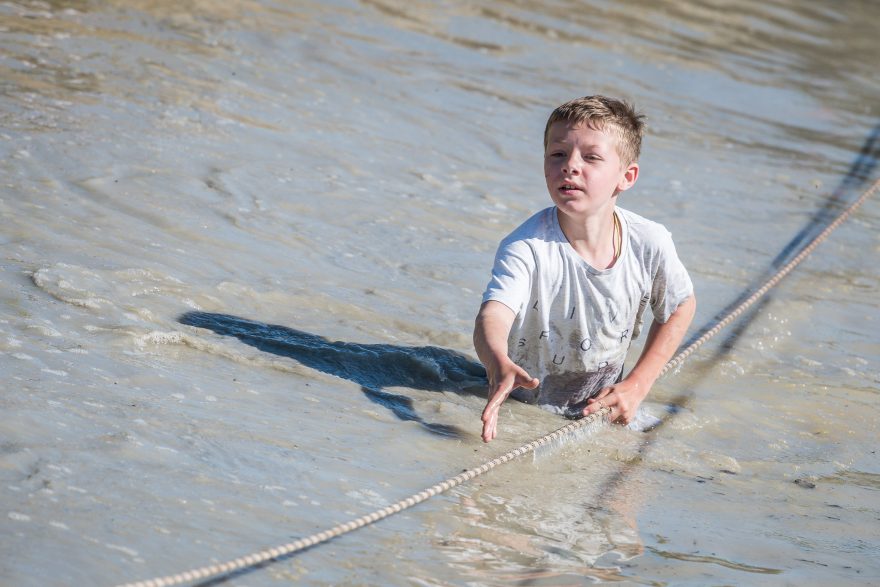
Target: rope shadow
(860, 172)
(375, 367)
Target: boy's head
(608, 115)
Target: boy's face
(583, 169)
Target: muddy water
(243, 244)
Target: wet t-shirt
(574, 323)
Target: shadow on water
(432, 368)
(859, 174)
(375, 367)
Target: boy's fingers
(489, 428)
(603, 393)
(530, 382)
(495, 402)
(502, 390)
(490, 416)
(489, 413)
(491, 410)
(599, 401)
(499, 393)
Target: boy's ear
(629, 177)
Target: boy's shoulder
(642, 228)
(541, 225)
(637, 219)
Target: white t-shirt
(574, 323)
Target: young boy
(570, 284)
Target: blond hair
(605, 114)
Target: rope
(733, 314)
(257, 558)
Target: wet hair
(603, 113)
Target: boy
(570, 284)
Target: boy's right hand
(491, 330)
(502, 381)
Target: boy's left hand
(623, 399)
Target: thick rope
(257, 558)
(772, 282)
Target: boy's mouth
(568, 187)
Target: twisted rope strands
(338, 530)
(733, 314)
(257, 558)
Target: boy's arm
(491, 330)
(663, 339)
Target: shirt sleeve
(672, 284)
(512, 274)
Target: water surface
(243, 244)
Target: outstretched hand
(508, 377)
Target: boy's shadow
(372, 366)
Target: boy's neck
(596, 238)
